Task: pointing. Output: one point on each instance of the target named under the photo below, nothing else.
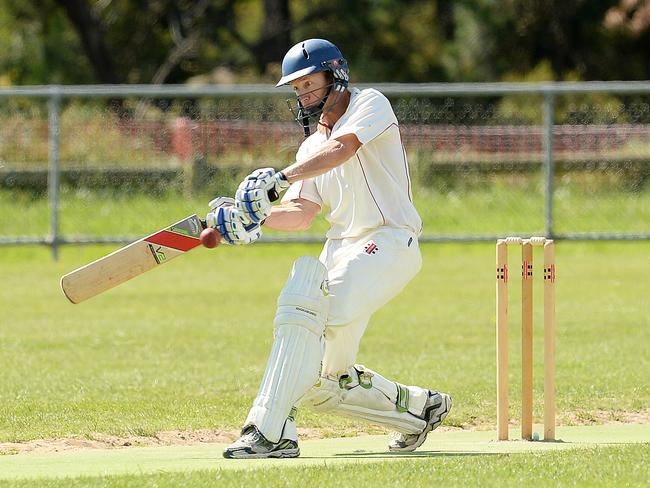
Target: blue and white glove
(234, 227)
(257, 191)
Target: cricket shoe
(253, 445)
(436, 409)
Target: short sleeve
(303, 189)
(370, 114)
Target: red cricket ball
(210, 238)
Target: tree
(572, 35)
(92, 35)
(276, 33)
(171, 41)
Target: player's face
(311, 89)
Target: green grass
(626, 465)
(350, 460)
(622, 466)
(495, 206)
(184, 346)
(619, 466)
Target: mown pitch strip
(140, 460)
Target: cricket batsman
(354, 165)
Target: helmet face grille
(306, 116)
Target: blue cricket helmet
(313, 56)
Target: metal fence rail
(548, 94)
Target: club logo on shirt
(371, 248)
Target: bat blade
(132, 260)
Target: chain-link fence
(112, 163)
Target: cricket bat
(132, 260)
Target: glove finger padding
(252, 196)
(261, 174)
(217, 202)
(254, 204)
(228, 221)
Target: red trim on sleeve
(300, 195)
(391, 125)
(409, 193)
(371, 194)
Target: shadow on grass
(409, 455)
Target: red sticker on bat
(173, 240)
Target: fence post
(182, 148)
(548, 110)
(53, 136)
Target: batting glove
(257, 191)
(234, 227)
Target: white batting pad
(294, 364)
(365, 394)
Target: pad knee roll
(303, 301)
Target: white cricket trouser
(364, 274)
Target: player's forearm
(292, 216)
(331, 154)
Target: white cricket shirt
(373, 188)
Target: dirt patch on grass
(107, 441)
(167, 438)
(606, 417)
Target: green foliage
(39, 46)
(385, 40)
(572, 109)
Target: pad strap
(364, 393)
